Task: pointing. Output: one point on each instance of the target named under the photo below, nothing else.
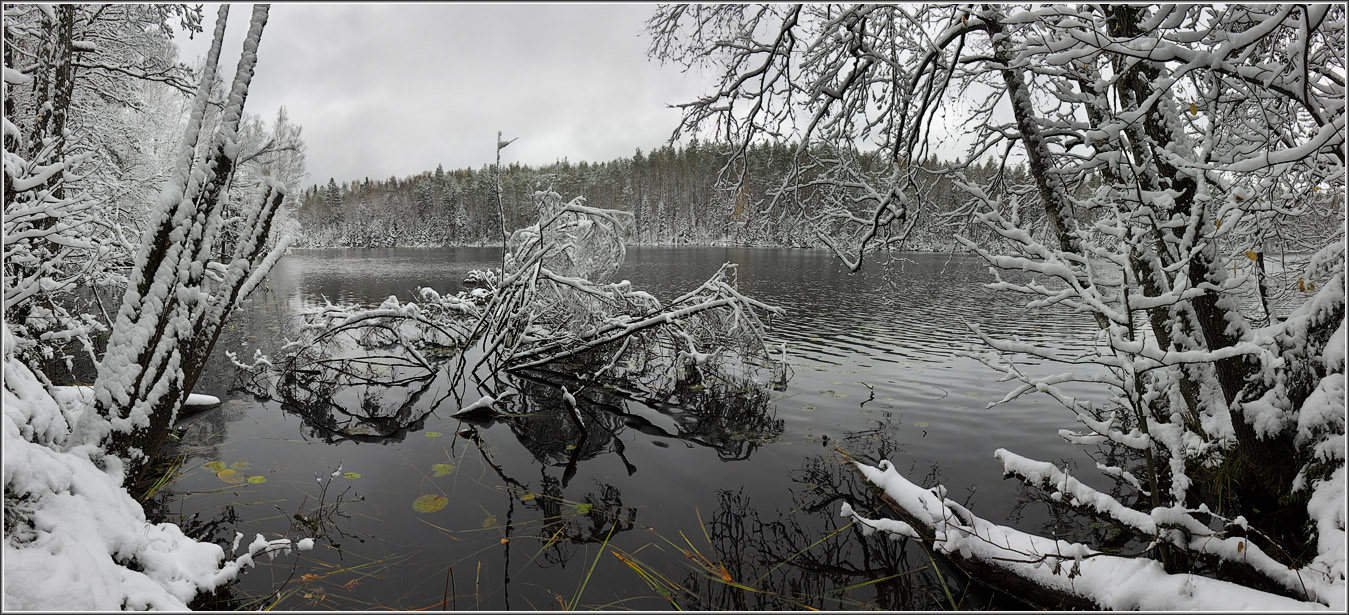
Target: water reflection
(644, 502)
(383, 397)
(537, 534)
(338, 405)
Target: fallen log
(1044, 572)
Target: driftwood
(989, 575)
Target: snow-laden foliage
(1186, 193)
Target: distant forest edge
(674, 195)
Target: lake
(713, 505)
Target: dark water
(709, 504)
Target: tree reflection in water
(810, 557)
(743, 555)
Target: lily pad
(351, 475)
(808, 408)
(433, 434)
(921, 424)
(442, 469)
(230, 476)
(429, 503)
(257, 480)
(526, 497)
(214, 466)
(241, 465)
(490, 521)
(583, 507)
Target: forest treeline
(676, 194)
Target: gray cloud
(393, 89)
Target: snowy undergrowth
(74, 538)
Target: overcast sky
(389, 89)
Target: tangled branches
(549, 310)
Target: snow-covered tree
(194, 267)
(81, 158)
(75, 539)
(1172, 149)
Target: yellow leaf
(1302, 286)
(1194, 109)
(1217, 224)
(429, 503)
(1311, 286)
(1241, 546)
(1252, 255)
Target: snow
(196, 399)
(81, 541)
(83, 531)
(476, 408)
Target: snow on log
(1055, 573)
(195, 400)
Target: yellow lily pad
(351, 475)
(241, 465)
(429, 503)
(214, 466)
(433, 434)
(442, 469)
(257, 480)
(230, 476)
